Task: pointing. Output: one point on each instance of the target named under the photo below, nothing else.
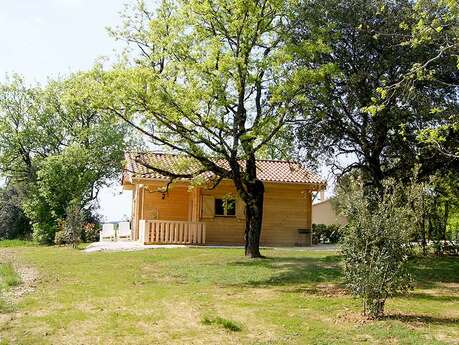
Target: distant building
(324, 212)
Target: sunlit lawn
(216, 296)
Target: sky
(50, 38)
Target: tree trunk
(254, 218)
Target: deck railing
(171, 232)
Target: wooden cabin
(189, 212)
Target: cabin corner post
(196, 204)
(195, 227)
(137, 210)
(307, 240)
(308, 224)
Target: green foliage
(56, 148)
(375, 242)
(434, 25)
(73, 225)
(218, 57)
(60, 238)
(368, 111)
(326, 233)
(13, 222)
(74, 173)
(440, 208)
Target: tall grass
(225, 323)
(8, 276)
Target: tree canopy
(212, 80)
(54, 148)
(373, 109)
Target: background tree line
(55, 151)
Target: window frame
(225, 207)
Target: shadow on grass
(429, 271)
(295, 270)
(422, 319)
(433, 298)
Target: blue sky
(41, 38)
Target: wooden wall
(223, 230)
(174, 205)
(287, 208)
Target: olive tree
(375, 242)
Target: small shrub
(60, 238)
(446, 248)
(90, 233)
(375, 243)
(13, 222)
(323, 233)
(225, 323)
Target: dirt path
(27, 273)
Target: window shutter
(240, 208)
(208, 206)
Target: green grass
(216, 296)
(225, 323)
(16, 243)
(8, 279)
(8, 276)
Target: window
(225, 207)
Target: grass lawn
(216, 296)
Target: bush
(446, 248)
(323, 233)
(60, 238)
(375, 243)
(73, 230)
(13, 222)
(90, 233)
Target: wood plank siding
(287, 208)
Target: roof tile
(268, 170)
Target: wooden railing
(171, 232)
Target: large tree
(358, 112)
(13, 222)
(208, 79)
(55, 150)
(434, 24)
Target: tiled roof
(268, 170)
